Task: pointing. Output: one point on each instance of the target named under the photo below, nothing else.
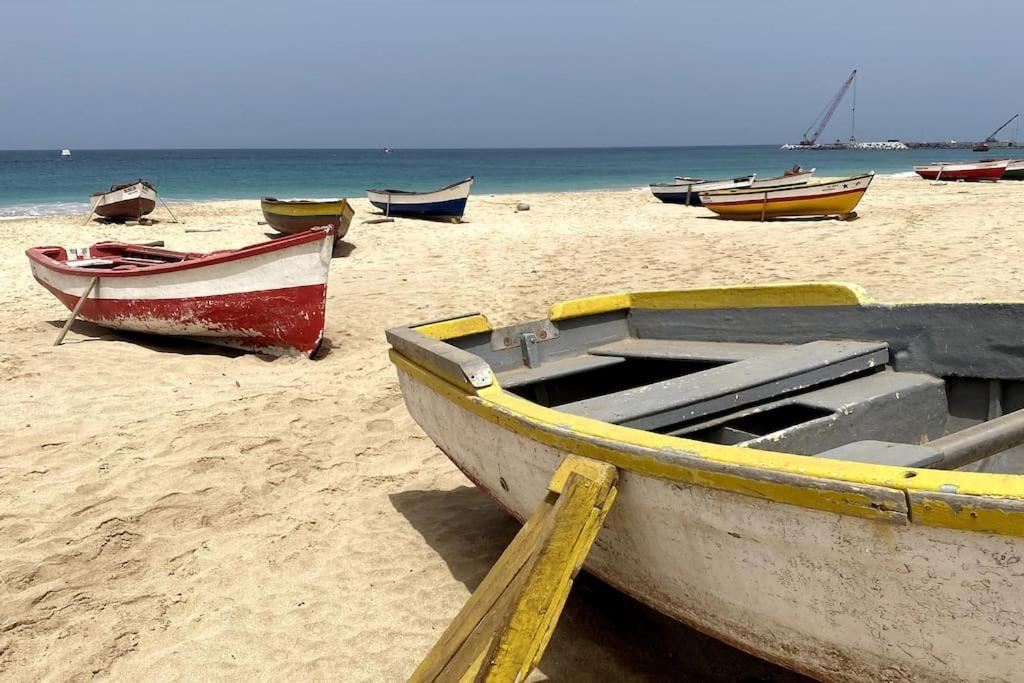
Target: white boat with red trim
(267, 297)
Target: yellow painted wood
(456, 327)
(610, 443)
(334, 207)
(501, 632)
(802, 206)
(757, 296)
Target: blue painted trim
(452, 207)
(679, 198)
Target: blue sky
(441, 73)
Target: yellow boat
(825, 481)
(823, 198)
(290, 216)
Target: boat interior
(116, 256)
(929, 385)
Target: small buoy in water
(523, 206)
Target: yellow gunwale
(926, 490)
(333, 207)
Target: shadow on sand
(603, 635)
(86, 332)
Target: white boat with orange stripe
(822, 198)
(823, 480)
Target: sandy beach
(171, 510)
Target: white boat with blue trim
(447, 202)
(825, 481)
(687, 191)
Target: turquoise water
(43, 182)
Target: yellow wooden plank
(487, 594)
(502, 631)
(456, 327)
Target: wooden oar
(75, 310)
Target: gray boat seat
(684, 350)
(553, 369)
(886, 453)
(755, 379)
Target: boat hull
(687, 192)
(982, 171)
(294, 216)
(448, 202)
(835, 596)
(453, 208)
(131, 202)
(270, 302)
(837, 198)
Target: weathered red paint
(983, 173)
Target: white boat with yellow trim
(822, 480)
(837, 197)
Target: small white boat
(687, 191)
(448, 202)
(65, 152)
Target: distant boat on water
(387, 150)
(65, 152)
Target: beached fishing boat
(1014, 169)
(959, 170)
(687, 191)
(822, 480)
(794, 176)
(290, 216)
(448, 202)
(822, 198)
(125, 201)
(267, 297)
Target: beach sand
(171, 510)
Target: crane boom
(992, 138)
(819, 123)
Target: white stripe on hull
(808, 191)
(795, 179)
(842, 597)
(961, 166)
(460, 191)
(297, 266)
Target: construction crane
(992, 138)
(818, 125)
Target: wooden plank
(684, 350)
(762, 377)
(501, 632)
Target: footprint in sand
(380, 426)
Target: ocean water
(43, 182)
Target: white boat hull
(836, 596)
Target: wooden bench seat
(554, 369)
(758, 378)
(683, 350)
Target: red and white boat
(267, 297)
(963, 170)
